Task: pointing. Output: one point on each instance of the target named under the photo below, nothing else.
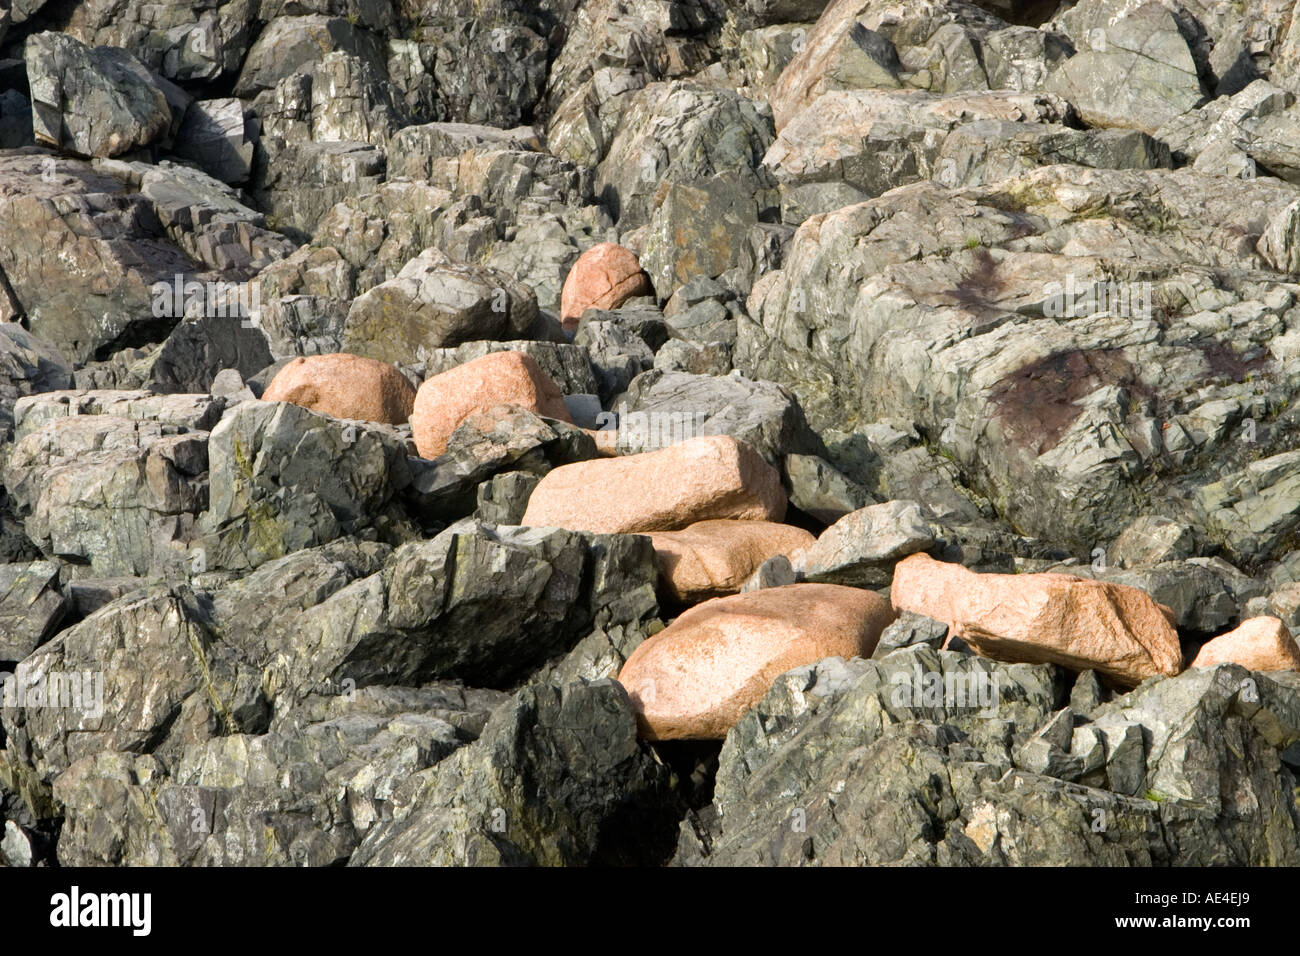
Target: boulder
(714, 558)
(697, 677)
(604, 277)
(862, 548)
(1259, 644)
(345, 386)
(665, 490)
(92, 102)
(1115, 630)
(498, 378)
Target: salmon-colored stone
(1078, 623)
(498, 378)
(698, 676)
(345, 386)
(604, 277)
(713, 558)
(1258, 644)
(714, 476)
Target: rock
(1259, 644)
(661, 408)
(543, 785)
(433, 303)
(118, 493)
(714, 558)
(142, 674)
(568, 365)
(618, 355)
(31, 607)
(698, 676)
(1141, 42)
(820, 490)
(288, 44)
(198, 349)
(504, 498)
(158, 233)
(1117, 631)
(909, 630)
(666, 490)
(344, 386)
(217, 136)
(604, 277)
(27, 365)
(446, 399)
(500, 439)
(92, 102)
(1150, 540)
(283, 478)
(862, 548)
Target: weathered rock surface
(666, 490)
(1085, 625)
(713, 558)
(344, 386)
(698, 676)
(1260, 644)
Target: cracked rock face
(648, 432)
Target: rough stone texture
(604, 277)
(664, 490)
(344, 386)
(1085, 625)
(445, 400)
(31, 607)
(862, 548)
(713, 558)
(697, 677)
(99, 102)
(1259, 644)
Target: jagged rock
(618, 355)
(92, 102)
(544, 785)
(1151, 540)
(1141, 42)
(503, 499)
(31, 607)
(862, 548)
(118, 493)
(283, 478)
(27, 365)
(433, 303)
(217, 136)
(821, 491)
(661, 408)
(501, 438)
(290, 43)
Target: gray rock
(284, 478)
(217, 136)
(288, 44)
(543, 785)
(661, 408)
(504, 498)
(31, 607)
(909, 630)
(92, 102)
(861, 549)
(433, 304)
(27, 366)
(819, 490)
